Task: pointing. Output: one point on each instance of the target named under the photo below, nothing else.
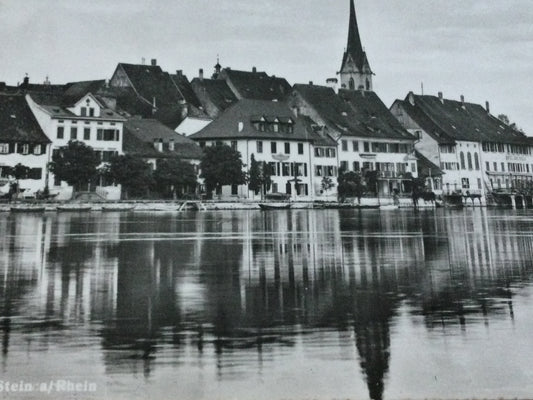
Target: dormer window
(91, 112)
(83, 111)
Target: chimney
(411, 98)
(179, 72)
(441, 97)
(154, 62)
(463, 102)
(201, 74)
(26, 81)
(487, 106)
(171, 145)
(143, 61)
(254, 70)
(310, 83)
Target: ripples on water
(290, 304)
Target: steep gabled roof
(214, 90)
(139, 136)
(353, 113)
(74, 91)
(185, 89)
(237, 122)
(449, 120)
(17, 122)
(256, 85)
(150, 82)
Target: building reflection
(239, 284)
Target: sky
(482, 49)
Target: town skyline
(473, 50)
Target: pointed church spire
(355, 70)
(354, 47)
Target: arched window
(351, 84)
(462, 155)
(469, 158)
(476, 161)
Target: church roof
(354, 48)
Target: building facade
(87, 121)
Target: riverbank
(181, 205)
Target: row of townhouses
(304, 132)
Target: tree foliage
(132, 173)
(259, 176)
(327, 183)
(77, 164)
(350, 184)
(222, 165)
(174, 177)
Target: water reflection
(243, 291)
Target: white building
(87, 121)
(272, 133)
(22, 141)
(479, 154)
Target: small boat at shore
(73, 208)
(274, 206)
(27, 209)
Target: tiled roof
(53, 105)
(185, 89)
(426, 166)
(256, 85)
(17, 122)
(139, 136)
(450, 120)
(236, 122)
(353, 113)
(215, 91)
(74, 91)
(150, 82)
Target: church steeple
(355, 70)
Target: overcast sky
(482, 49)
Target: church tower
(355, 72)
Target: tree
(174, 177)
(350, 184)
(371, 180)
(18, 172)
(254, 175)
(221, 165)
(132, 173)
(327, 183)
(77, 164)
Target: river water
(301, 304)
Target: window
(495, 165)
(286, 169)
(318, 170)
(355, 146)
(465, 183)
(73, 133)
(91, 112)
(319, 152)
(35, 173)
(479, 183)
(463, 165)
(87, 134)
(25, 149)
(106, 156)
(83, 111)
(60, 132)
(344, 166)
(234, 144)
(487, 166)
(476, 161)
(37, 149)
(107, 135)
(234, 190)
(351, 84)
(287, 148)
(259, 146)
(503, 167)
(469, 159)
(273, 147)
(300, 148)
(356, 166)
(366, 146)
(344, 145)
(331, 152)
(4, 148)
